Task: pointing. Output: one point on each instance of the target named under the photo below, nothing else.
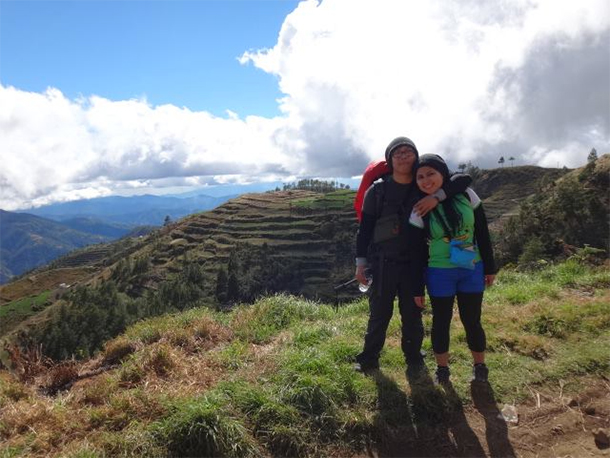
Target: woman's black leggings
(469, 306)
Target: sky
(124, 97)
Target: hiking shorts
(445, 282)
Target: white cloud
(54, 149)
(465, 79)
(461, 78)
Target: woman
(457, 261)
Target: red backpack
(374, 171)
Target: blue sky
(179, 52)
(130, 97)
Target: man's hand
(420, 301)
(425, 205)
(489, 280)
(360, 275)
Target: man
(382, 250)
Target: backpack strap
(379, 197)
(444, 224)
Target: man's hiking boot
(480, 373)
(416, 371)
(441, 376)
(366, 368)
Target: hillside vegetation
(572, 211)
(295, 241)
(275, 379)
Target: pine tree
(221, 286)
(232, 288)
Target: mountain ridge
(28, 241)
(146, 209)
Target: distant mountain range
(39, 235)
(129, 211)
(28, 241)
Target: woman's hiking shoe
(441, 376)
(480, 373)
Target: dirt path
(548, 425)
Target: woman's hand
(425, 205)
(360, 275)
(420, 301)
(489, 280)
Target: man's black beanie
(434, 161)
(398, 141)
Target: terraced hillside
(315, 231)
(502, 190)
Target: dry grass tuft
(180, 337)
(210, 333)
(59, 377)
(97, 391)
(160, 360)
(117, 349)
(11, 390)
(130, 374)
(47, 424)
(27, 364)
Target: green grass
(285, 385)
(24, 306)
(315, 380)
(333, 200)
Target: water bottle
(364, 287)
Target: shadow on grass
(496, 430)
(467, 443)
(428, 422)
(414, 425)
(394, 422)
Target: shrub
(533, 251)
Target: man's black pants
(391, 279)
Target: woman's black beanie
(399, 141)
(434, 161)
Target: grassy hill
(275, 379)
